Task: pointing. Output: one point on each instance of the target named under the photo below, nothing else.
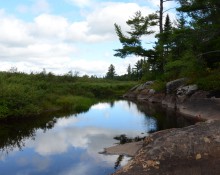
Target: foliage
(131, 44)
(211, 81)
(26, 95)
(111, 72)
(159, 86)
(187, 47)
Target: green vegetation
(187, 47)
(26, 95)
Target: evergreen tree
(165, 37)
(131, 43)
(129, 71)
(111, 72)
(205, 27)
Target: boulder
(144, 86)
(186, 90)
(193, 150)
(172, 86)
(169, 101)
(152, 91)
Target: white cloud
(59, 45)
(99, 24)
(50, 26)
(101, 21)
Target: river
(70, 145)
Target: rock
(198, 156)
(148, 83)
(190, 150)
(134, 88)
(169, 101)
(152, 91)
(198, 106)
(128, 149)
(187, 100)
(200, 95)
(186, 90)
(156, 98)
(145, 86)
(172, 86)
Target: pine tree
(111, 72)
(129, 71)
(131, 43)
(205, 27)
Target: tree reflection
(112, 103)
(13, 133)
(165, 118)
(118, 161)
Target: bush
(159, 86)
(23, 95)
(209, 82)
(76, 103)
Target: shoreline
(191, 102)
(171, 152)
(189, 150)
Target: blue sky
(64, 35)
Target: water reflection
(70, 145)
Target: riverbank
(184, 99)
(25, 95)
(190, 150)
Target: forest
(186, 47)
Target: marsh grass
(31, 94)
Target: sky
(67, 35)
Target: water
(70, 145)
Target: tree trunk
(161, 16)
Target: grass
(31, 94)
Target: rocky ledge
(191, 150)
(185, 99)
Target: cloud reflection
(101, 106)
(72, 145)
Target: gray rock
(134, 88)
(193, 150)
(148, 83)
(172, 86)
(152, 91)
(144, 86)
(186, 90)
(169, 101)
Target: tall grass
(25, 95)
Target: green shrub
(159, 86)
(210, 81)
(76, 103)
(23, 95)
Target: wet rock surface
(191, 150)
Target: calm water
(70, 145)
